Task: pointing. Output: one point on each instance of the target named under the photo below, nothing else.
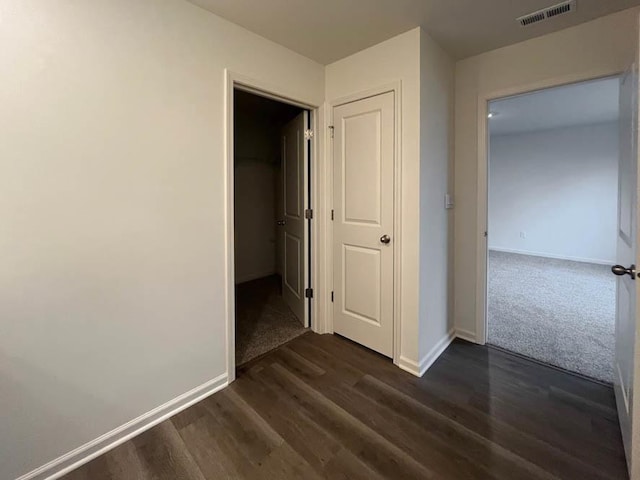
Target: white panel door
(294, 237)
(363, 159)
(626, 308)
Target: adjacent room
(553, 199)
(265, 318)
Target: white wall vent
(547, 13)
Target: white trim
(465, 335)
(409, 366)
(436, 351)
(328, 237)
(396, 88)
(551, 255)
(87, 452)
(230, 304)
(482, 181)
(235, 80)
(429, 359)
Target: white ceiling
(583, 103)
(328, 30)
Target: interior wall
(554, 193)
(385, 63)
(257, 159)
(436, 157)
(112, 286)
(599, 48)
(426, 75)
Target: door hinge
(308, 134)
(331, 214)
(331, 130)
(308, 293)
(486, 234)
(308, 214)
(332, 296)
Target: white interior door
(626, 309)
(294, 238)
(363, 158)
(279, 217)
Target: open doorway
(552, 225)
(271, 234)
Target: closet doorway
(271, 231)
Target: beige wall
(112, 286)
(436, 156)
(597, 48)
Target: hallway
(324, 407)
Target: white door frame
(396, 89)
(482, 213)
(238, 81)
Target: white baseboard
(419, 369)
(409, 366)
(597, 261)
(466, 335)
(83, 454)
(254, 276)
(436, 351)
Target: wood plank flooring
(324, 407)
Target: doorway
(552, 225)
(271, 229)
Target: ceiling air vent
(547, 13)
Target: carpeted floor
(263, 320)
(557, 311)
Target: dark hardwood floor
(324, 407)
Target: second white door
(363, 162)
(294, 236)
(625, 364)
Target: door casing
(482, 212)
(238, 81)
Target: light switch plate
(448, 201)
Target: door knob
(281, 223)
(620, 271)
(385, 239)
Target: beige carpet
(557, 311)
(263, 319)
